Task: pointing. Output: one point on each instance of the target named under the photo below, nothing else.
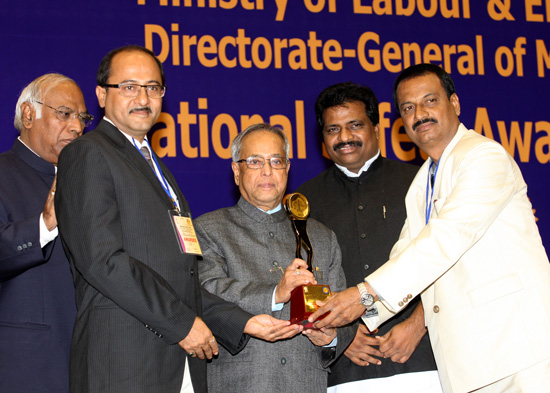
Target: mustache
(145, 108)
(420, 122)
(345, 144)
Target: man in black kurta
(361, 198)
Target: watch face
(367, 300)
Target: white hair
(237, 143)
(36, 91)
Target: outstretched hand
(271, 329)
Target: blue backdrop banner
(232, 63)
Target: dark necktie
(147, 155)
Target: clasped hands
(398, 344)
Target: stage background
(231, 63)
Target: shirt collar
(129, 137)
(364, 168)
(275, 210)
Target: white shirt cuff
(46, 236)
(276, 306)
(333, 343)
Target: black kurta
(367, 214)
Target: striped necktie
(147, 155)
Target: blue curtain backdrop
(231, 63)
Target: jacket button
(366, 267)
(192, 272)
(405, 300)
(29, 244)
(283, 361)
(400, 304)
(271, 234)
(409, 296)
(19, 248)
(360, 207)
(436, 309)
(363, 236)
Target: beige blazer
(479, 265)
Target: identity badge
(185, 232)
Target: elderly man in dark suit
(249, 258)
(37, 306)
(121, 214)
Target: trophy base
(303, 302)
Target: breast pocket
(495, 290)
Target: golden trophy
(303, 298)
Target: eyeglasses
(258, 162)
(65, 114)
(128, 89)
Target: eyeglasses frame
(84, 117)
(245, 160)
(118, 86)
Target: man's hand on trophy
(295, 274)
(343, 308)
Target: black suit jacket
(37, 307)
(137, 293)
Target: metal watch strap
(364, 296)
(362, 289)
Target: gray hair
(237, 143)
(36, 91)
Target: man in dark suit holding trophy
(249, 258)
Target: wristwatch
(367, 299)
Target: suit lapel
(446, 166)
(172, 181)
(416, 196)
(135, 159)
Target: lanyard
(430, 192)
(160, 175)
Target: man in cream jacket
(470, 247)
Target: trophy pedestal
(303, 302)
